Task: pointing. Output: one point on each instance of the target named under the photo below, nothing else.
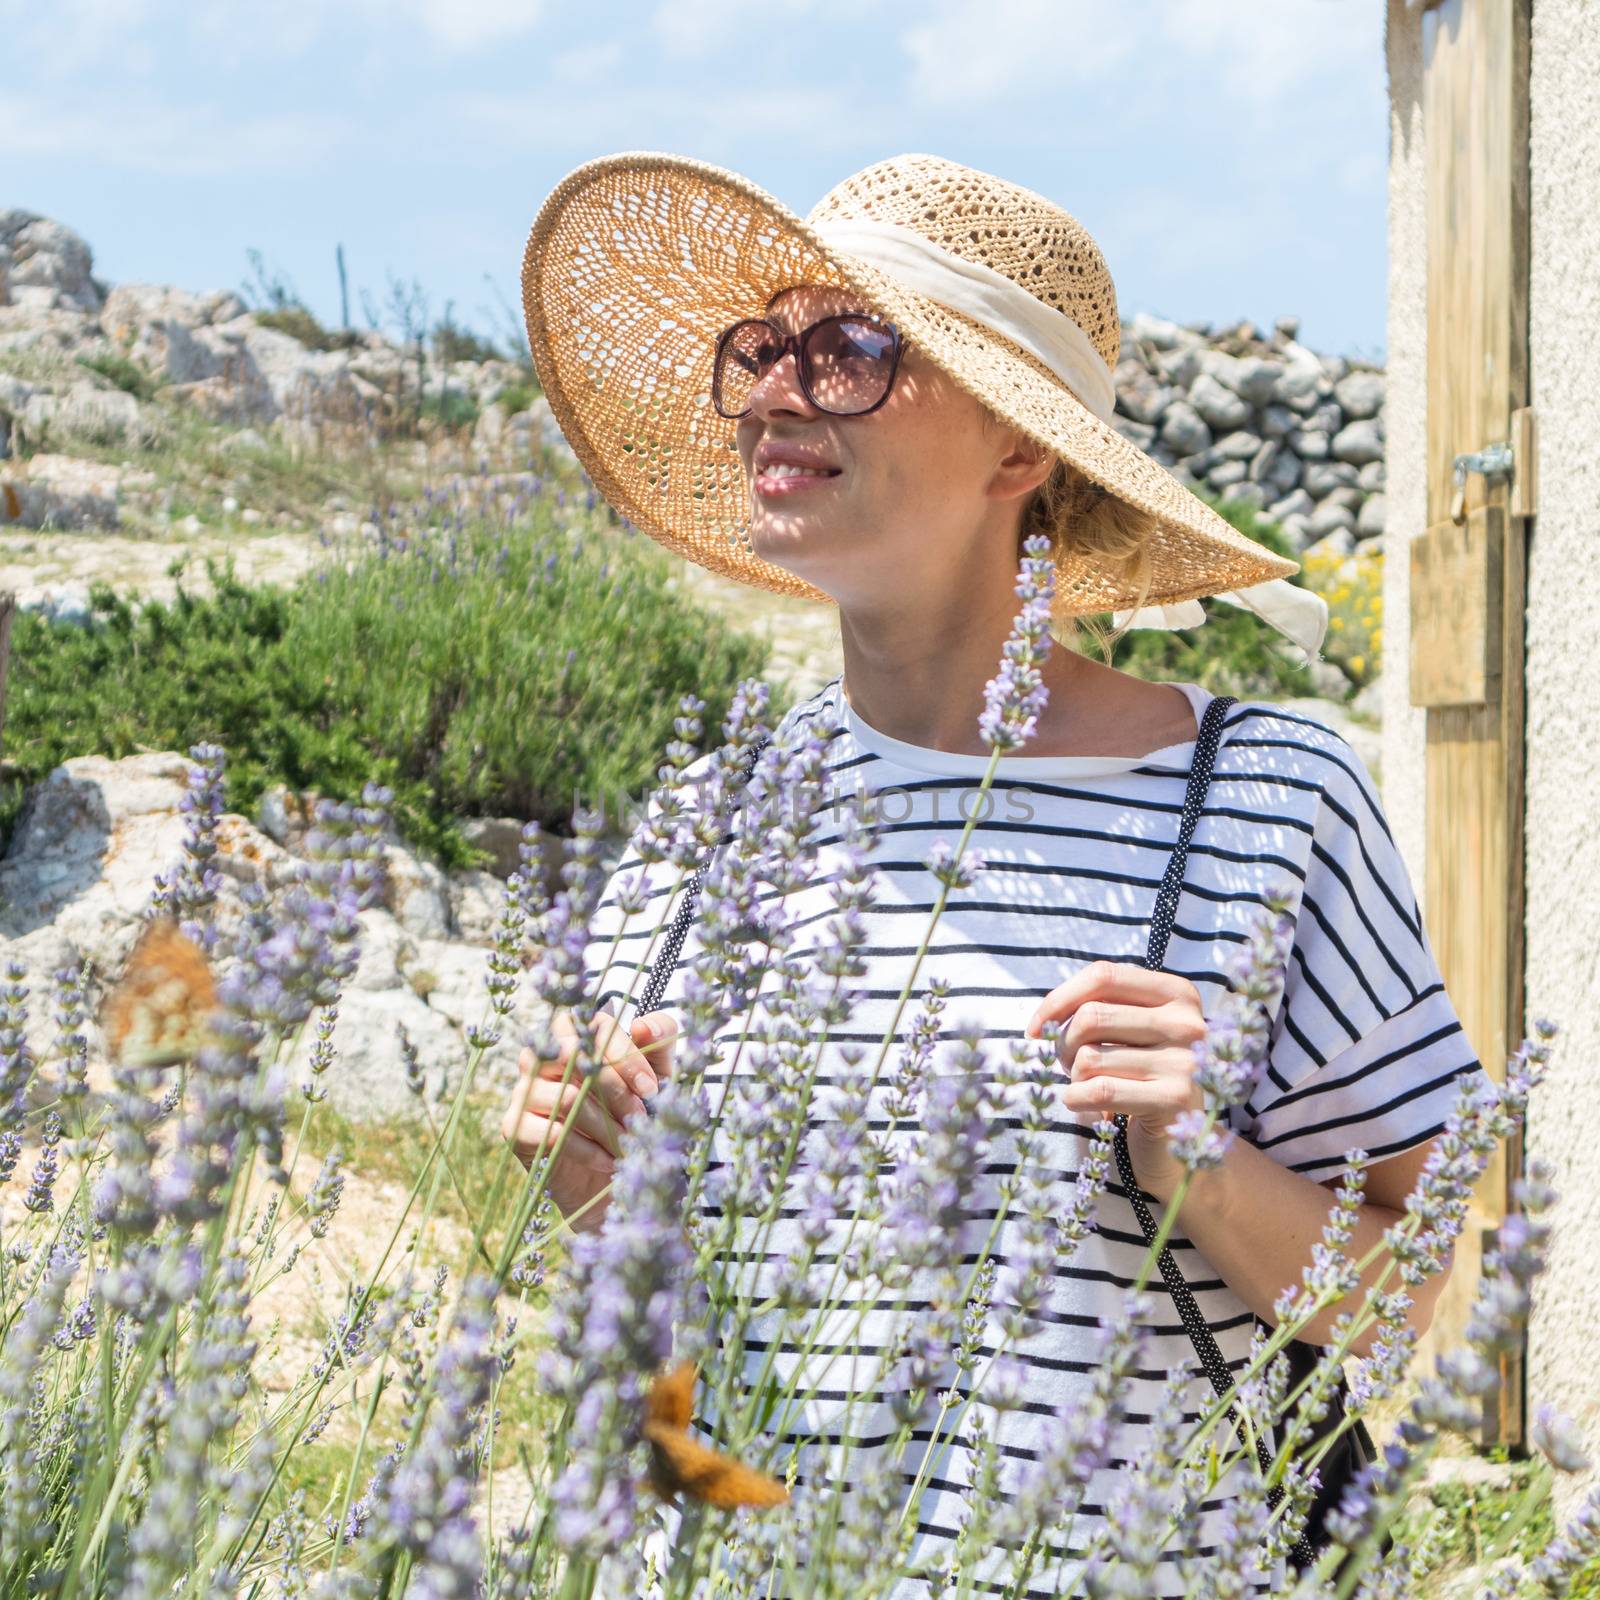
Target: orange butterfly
(157, 1014)
(680, 1464)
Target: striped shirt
(1366, 1047)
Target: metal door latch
(1493, 461)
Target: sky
(1227, 155)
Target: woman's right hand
(541, 1106)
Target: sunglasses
(846, 362)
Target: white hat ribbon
(994, 300)
(984, 295)
(1299, 614)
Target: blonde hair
(1081, 517)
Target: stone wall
(1260, 419)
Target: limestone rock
(1184, 429)
(46, 265)
(1296, 503)
(500, 837)
(1323, 477)
(1238, 445)
(1360, 394)
(77, 880)
(1220, 406)
(56, 491)
(85, 411)
(1332, 517)
(1359, 442)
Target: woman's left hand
(1128, 1047)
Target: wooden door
(1468, 569)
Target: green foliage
(511, 669)
(1232, 653)
(125, 374)
(451, 409)
(452, 342)
(276, 303)
(299, 323)
(517, 397)
(1467, 1524)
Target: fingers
(1162, 1097)
(1102, 1025)
(624, 1076)
(1096, 1061)
(655, 1033)
(535, 1135)
(1114, 983)
(593, 1119)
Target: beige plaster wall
(1563, 755)
(1563, 824)
(1405, 419)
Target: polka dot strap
(667, 961)
(1161, 924)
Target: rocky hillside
(85, 363)
(1252, 417)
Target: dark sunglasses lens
(848, 363)
(748, 355)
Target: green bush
(299, 323)
(452, 342)
(1233, 652)
(517, 397)
(125, 374)
(509, 668)
(451, 409)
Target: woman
(916, 379)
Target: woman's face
(920, 480)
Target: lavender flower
(322, 1055)
(72, 1010)
(927, 1204)
(189, 889)
(206, 1407)
(1196, 1141)
(612, 1326)
(41, 1191)
(16, 1057)
(1015, 697)
(327, 1189)
(25, 1525)
(427, 1507)
(1555, 1568)
(1558, 1439)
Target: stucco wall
(1563, 728)
(1563, 826)
(1405, 419)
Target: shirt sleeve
(1366, 1049)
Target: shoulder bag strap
(667, 961)
(1161, 922)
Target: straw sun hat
(637, 262)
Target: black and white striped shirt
(1366, 1047)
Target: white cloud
(964, 55)
(693, 29)
(469, 24)
(588, 63)
(1267, 48)
(174, 141)
(68, 36)
(727, 128)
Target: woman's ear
(1025, 465)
